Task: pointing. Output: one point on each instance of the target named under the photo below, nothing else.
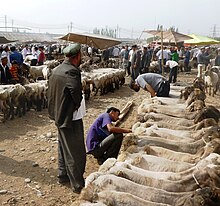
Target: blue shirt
(98, 131)
(16, 56)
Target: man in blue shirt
(15, 55)
(103, 139)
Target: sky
(129, 17)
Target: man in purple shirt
(103, 139)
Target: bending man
(155, 84)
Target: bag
(81, 112)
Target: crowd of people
(136, 60)
(12, 58)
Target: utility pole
(5, 23)
(71, 26)
(12, 24)
(214, 31)
(132, 33)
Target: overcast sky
(129, 16)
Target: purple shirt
(98, 131)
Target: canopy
(3, 40)
(200, 40)
(169, 36)
(97, 41)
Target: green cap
(72, 50)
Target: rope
(204, 141)
(196, 180)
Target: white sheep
(211, 81)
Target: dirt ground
(28, 149)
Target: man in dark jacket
(145, 60)
(5, 75)
(64, 98)
(135, 62)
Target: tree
(105, 31)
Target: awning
(97, 41)
(3, 40)
(169, 36)
(200, 40)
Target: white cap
(3, 56)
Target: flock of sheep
(32, 92)
(170, 158)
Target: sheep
(4, 100)
(196, 94)
(156, 163)
(211, 82)
(216, 69)
(105, 80)
(37, 71)
(14, 99)
(36, 95)
(211, 161)
(186, 184)
(154, 66)
(110, 183)
(211, 147)
(207, 112)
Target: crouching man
(103, 139)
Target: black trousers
(72, 154)
(164, 89)
(173, 74)
(109, 147)
(129, 68)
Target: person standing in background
(41, 57)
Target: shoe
(63, 179)
(77, 190)
(101, 161)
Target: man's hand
(154, 94)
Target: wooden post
(162, 63)
(124, 111)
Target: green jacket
(175, 56)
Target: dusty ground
(28, 150)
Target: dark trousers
(72, 154)
(173, 74)
(186, 67)
(109, 147)
(134, 72)
(164, 89)
(129, 68)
